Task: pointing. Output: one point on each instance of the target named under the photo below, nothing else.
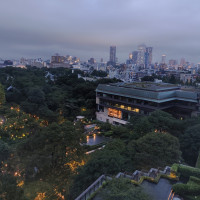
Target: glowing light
(74, 164)
(83, 109)
(114, 113)
(122, 106)
(173, 175)
(40, 196)
(17, 174)
(20, 184)
(87, 138)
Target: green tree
(2, 95)
(190, 144)
(161, 121)
(51, 148)
(156, 150)
(123, 189)
(4, 151)
(142, 127)
(101, 162)
(9, 189)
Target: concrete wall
(103, 116)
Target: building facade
(141, 55)
(113, 54)
(148, 57)
(134, 57)
(117, 102)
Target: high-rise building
(134, 56)
(57, 59)
(113, 54)
(91, 61)
(163, 61)
(182, 62)
(172, 62)
(148, 56)
(130, 56)
(141, 55)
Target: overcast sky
(86, 28)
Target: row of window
(124, 107)
(143, 102)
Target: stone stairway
(137, 177)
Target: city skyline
(88, 29)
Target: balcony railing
(142, 105)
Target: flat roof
(156, 92)
(147, 86)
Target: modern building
(148, 57)
(163, 61)
(172, 62)
(141, 55)
(113, 54)
(117, 102)
(91, 61)
(182, 62)
(57, 59)
(134, 57)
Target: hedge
(194, 180)
(186, 189)
(187, 171)
(175, 167)
(198, 162)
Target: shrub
(187, 171)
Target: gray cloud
(86, 28)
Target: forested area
(40, 152)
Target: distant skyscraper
(141, 55)
(57, 59)
(113, 54)
(148, 56)
(182, 62)
(130, 56)
(91, 61)
(134, 57)
(163, 61)
(172, 62)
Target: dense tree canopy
(157, 149)
(190, 144)
(123, 189)
(41, 145)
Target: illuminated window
(114, 113)
(129, 108)
(122, 106)
(136, 110)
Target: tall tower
(134, 57)
(163, 61)
(141, 55)
(182, 62)
(113, 54)
(148, 56)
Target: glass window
(114, 113)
